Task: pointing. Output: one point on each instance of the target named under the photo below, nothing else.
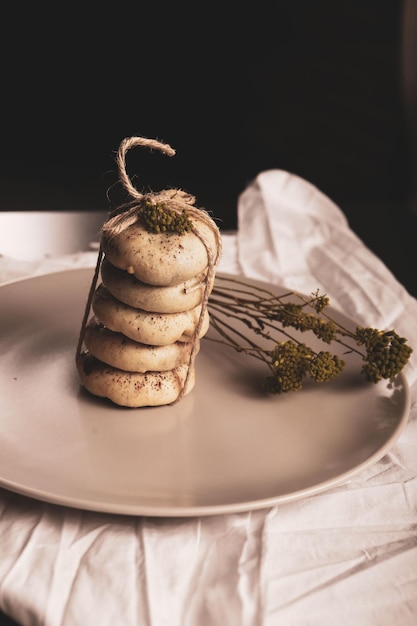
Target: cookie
(156, 329)
(119, 351)
(174, 299)
(132, 389)
(163, 259)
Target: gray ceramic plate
(224, 448)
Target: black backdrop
(311, 87)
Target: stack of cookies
(149, 312)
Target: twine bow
(172, 199)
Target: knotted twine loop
(173, 199)
(129, 213)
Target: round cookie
(119, 351)
(132, 389)
(156, 329)
(174, 299)
(161, 259)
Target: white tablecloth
(347, 556)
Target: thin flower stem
(260, 310)
(245, 319)
(222, 327)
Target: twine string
(88, 305)
(128, 213)
(131, 142)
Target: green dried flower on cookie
(159, 219)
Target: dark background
(315, 87)
(312, 87)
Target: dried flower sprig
(268, 317)
(159, 219)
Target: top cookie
(161, 259)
